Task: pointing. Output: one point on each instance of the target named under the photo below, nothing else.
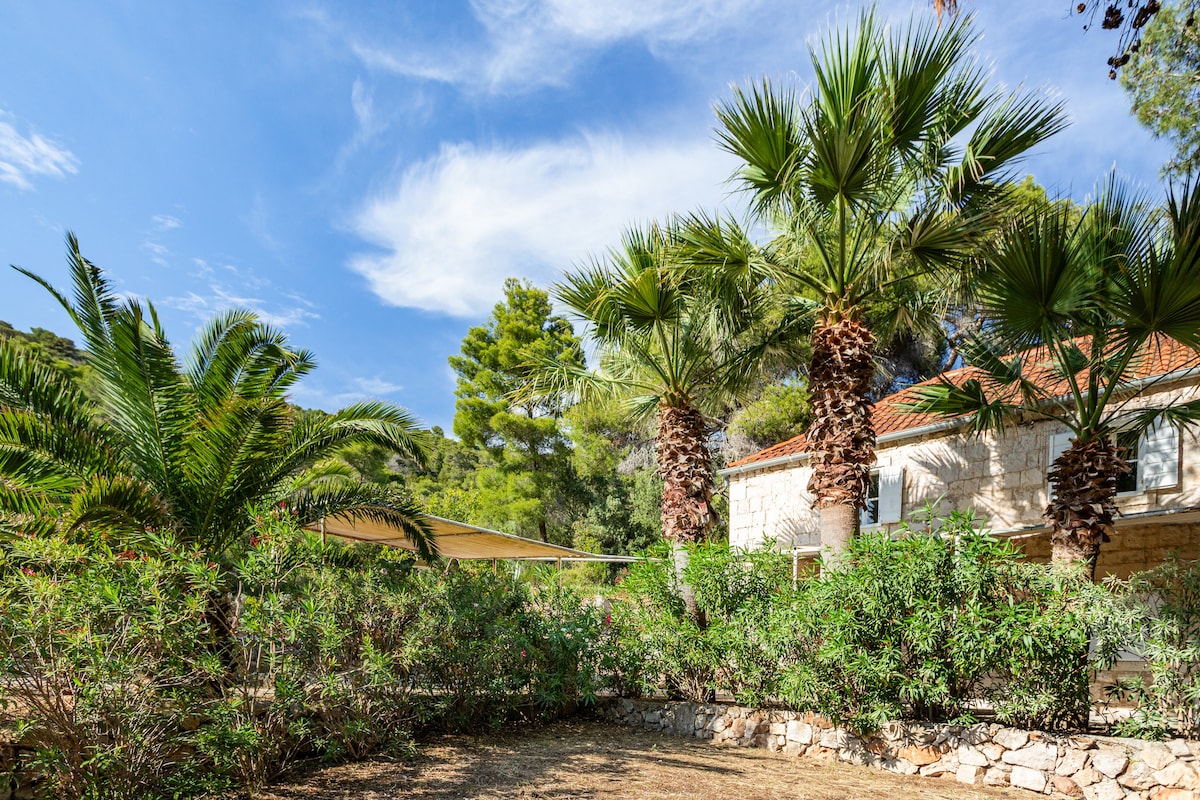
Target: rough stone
(822, 753)
(1087, 776)
(969, 774)
(972, 756)
(920, 755)
(1026, 778)
(794, 749)
(1107, 789)
(858, 756)
(1039, 756)
(1108, 762)
(993, 752)
(1179, 774)
(1175, 794)
(719, 724)
(923, 735)
(831, 738)
(941, 767)
(1138, 776)
(1156, 756)
(879, 747)
(976, 734)
(1064, 785)
(778, 729)
(1071, 762)
(738, 728)
(1179, 748)
(899, 766)
(995, 776)
(652, 718)
(800, 732)
(1010, 738)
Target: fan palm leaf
(1088, 299)
(868, 190)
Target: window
(1127, 448)
(885, 497)
(1153, 457)
(870, 514)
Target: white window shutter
(891, 494)
(1158, 457)
(1059, 442)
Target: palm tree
(1088, 305)
(887, 173)
(192, 447)
(673, 342)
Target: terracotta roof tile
(1163, 356)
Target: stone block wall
(1132, 547)
(1001, 477)
(1089, 767)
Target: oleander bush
(931, 625)
(1156, 616)
(103, 656)
(127, 687)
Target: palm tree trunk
(841, 439)
(1083, 491)
(685, 466)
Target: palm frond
(368, 502)
(761, 127)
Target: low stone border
(1090, 767)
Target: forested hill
(56, 350)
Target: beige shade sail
(459, 540)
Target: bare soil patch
(586, 759)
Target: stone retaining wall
(1091, 767)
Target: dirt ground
(584, 759)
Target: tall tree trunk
(841, 439)
(1083, 491)
(685, 466)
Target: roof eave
(936, 427)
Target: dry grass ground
(581, 759)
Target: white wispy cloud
(376, 386)
(166, 222)
(331, 392)
(218, 296)
(23, 157)
(158, 252)
(454, 227)
(532, 43)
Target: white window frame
(1158, 448)
(1136, 464)
(1159, 451)
(888, 483)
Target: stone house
(923, 459)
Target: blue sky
(366, 175)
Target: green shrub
(328, 652)
(1156, 615)
(923, 625)
(103, 656)
(659, 644)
